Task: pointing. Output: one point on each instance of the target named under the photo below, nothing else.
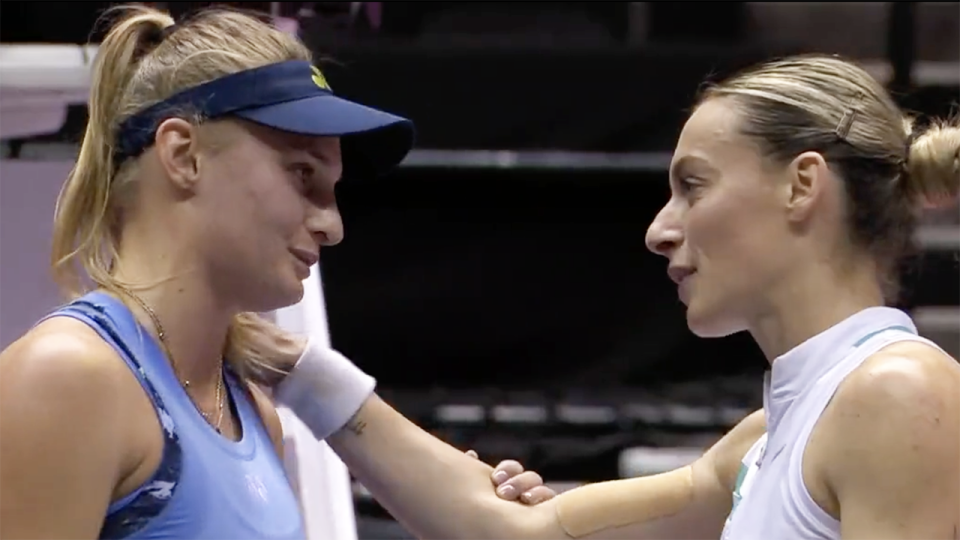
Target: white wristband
(324, 389)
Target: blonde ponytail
(255, 346)
(84, 226)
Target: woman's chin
(293, 293)
(705, 322)
(283, 294)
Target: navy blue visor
(290, 96)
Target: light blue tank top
(206, 487)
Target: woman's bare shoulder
(61, 349)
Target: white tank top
(770, 499)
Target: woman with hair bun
(796, 189)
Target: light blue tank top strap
(133, 511)
(206, 486)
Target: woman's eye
(304, 174)
(690, 187)
(687, 184)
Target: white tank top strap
(818, 400)
(770, 499)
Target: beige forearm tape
(619, 503)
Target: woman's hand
(512, 483)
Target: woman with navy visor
(203, 188)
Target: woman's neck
(810, 305)
(185, 306)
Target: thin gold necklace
(162, 336)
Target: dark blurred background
(497, 284)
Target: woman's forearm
(433, 489)
(440, 493)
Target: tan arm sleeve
(438, 492)
(620, 503)
(690, 502)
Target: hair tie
(916, 130)
(165, 33)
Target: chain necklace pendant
(162, 338)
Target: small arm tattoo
(356, 425)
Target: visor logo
(319, 79)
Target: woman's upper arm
(61, 436)
(725, 456)
(893, 432)
(691, 502)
